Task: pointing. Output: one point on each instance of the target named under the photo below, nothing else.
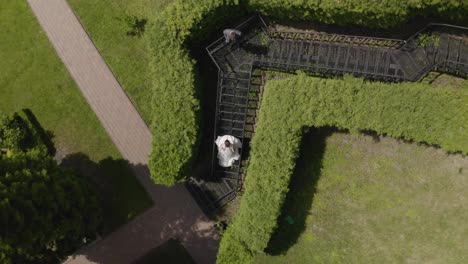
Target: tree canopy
(45, 211)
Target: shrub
(19, 133)
(175, 106)
(45, 210)
(369, 13)
(411, 111)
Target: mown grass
(373, 202)
(33, 77)
(127, 55)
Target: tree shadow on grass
(121, 195)
(302, 188)
(136, 26)
(45, 136)
(36, 134)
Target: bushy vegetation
(175, 104)
(185, 23)
(45, 210)
(410, 111)
(14, 133)
(367, 13)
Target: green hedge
(175, 105)
(412, 111)
(176, 108)
(369, 13)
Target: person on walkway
(232, 36)
(228, 150)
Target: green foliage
(428, 40)
(367, 13)
(13, 132)
(45, 211)
(411, 111)
(175, 106)
(233, 249)
(17, 134)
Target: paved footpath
(174, 214)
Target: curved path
(174, 214)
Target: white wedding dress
(227, 156)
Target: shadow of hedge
(303, 185)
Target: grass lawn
(126, 55)
(33, 77)
(353, 199)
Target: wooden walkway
(174, 214)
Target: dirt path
(174, 214)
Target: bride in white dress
(228, 150)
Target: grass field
(33, 77)
(355, 200)
(126, 55)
